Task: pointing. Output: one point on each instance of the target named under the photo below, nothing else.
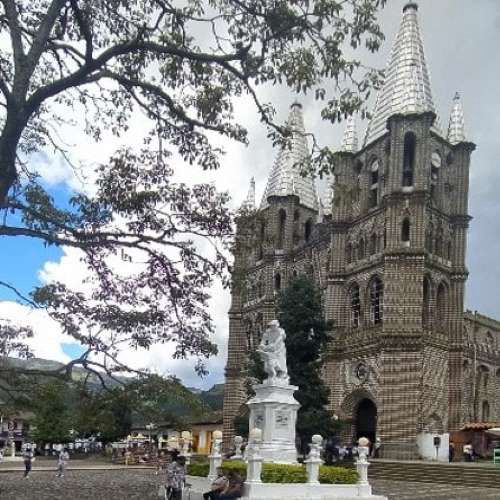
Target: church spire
(249, 202)
(456, 129)
(286, 178)
(350, 139)
(407, 87)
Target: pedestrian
(62, 462)
(234, 488)
(376, 447)
(160, 462)
(28, 458)
(175, 477)
(451, 453)
(468, 452)
(1, 455)
(217, 487)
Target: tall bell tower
(396, 289)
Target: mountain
(214, 397)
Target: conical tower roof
(456, 129)
(249, 202)
(350, 139)
(407, 87)
(285, 178)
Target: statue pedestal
(273, 410)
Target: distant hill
(214, 397)
(78, 372)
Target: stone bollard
(313, 460)
(362, 465)
(215, 458)
(186, 441)
(254, 467)
(238, 441)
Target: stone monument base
(273, 410)
(270, 491)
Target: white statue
(273, 354)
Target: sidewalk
(46, 465)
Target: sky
(461, 40)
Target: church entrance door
(366, 420)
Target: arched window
(409, 159)
(439, 244)
(405, 231)
(490, 341)
(262, 236)
(277, 282)
(429, 235)
(374, 183)
(373, 244)
(441, 305)
(348, 253)
(426, 302)
(376, 300)
(281, 228)
(448, 250)
(308, 230)
(486, 411)
(355, 306)
(249, 335)
(435, 166)
(361, 249)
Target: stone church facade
(387, 248)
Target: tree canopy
(94, 64)
(64, 411)
(301, 315)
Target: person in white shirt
(468, 452)
(62, 462)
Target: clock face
(361, 372)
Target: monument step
(474, 476)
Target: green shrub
(337, 475)
(281, 473)
(199, 469)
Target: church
(386, 245)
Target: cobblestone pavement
(80, 485)
(397, 490)
(143, 485)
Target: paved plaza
(143, 484)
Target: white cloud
(48, 337)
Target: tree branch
(15, 32)
(19, 294)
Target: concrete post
(215, 458)
(186, 441)
(362, 465)
(254, 467)
(313, 460)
